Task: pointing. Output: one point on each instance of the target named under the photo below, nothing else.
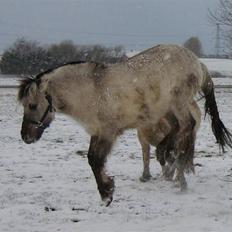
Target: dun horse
(107, 100)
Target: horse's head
(38, 109)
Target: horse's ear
(44, 85)
(32, 89)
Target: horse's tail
(221, 133)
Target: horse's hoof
(168, 174)
(181, 183)
(176, 184)
(183, 186)
(145, 178)
(106, 191)
(107, 201)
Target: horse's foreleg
(146, 156)
(98, 150)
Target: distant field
(223, 66)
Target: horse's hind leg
(182, 163)
(146, 155)
(165, 148)
(184, 149)
(98, 150)
(164, 156)
(196, 114)
(160, 154)
(152, 135)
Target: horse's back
(171, 66)
(146, 85)
(165, 58)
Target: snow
(8, 80)
(49, 186)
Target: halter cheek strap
(40, 123)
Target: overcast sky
(136, 24)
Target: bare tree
(223, 13)
(194, 44)
(223, 16)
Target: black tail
(221, 133)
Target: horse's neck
(74, 98)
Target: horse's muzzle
(28, 140)
(30, 133)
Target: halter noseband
(40, 123)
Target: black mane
(38, 76)
(24, 87)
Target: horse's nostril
(27, 139)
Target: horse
(108, 99)
(162, 136)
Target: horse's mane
(24, 87)
(25, 83)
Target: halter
(40, 123)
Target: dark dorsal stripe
(38, 76)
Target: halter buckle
(39, 124)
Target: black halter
(40, 123)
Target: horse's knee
(95, 161)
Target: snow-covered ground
(49, 186)
(223, 66)
(9, 80)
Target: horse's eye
(33, 107)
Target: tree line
(29, 57)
